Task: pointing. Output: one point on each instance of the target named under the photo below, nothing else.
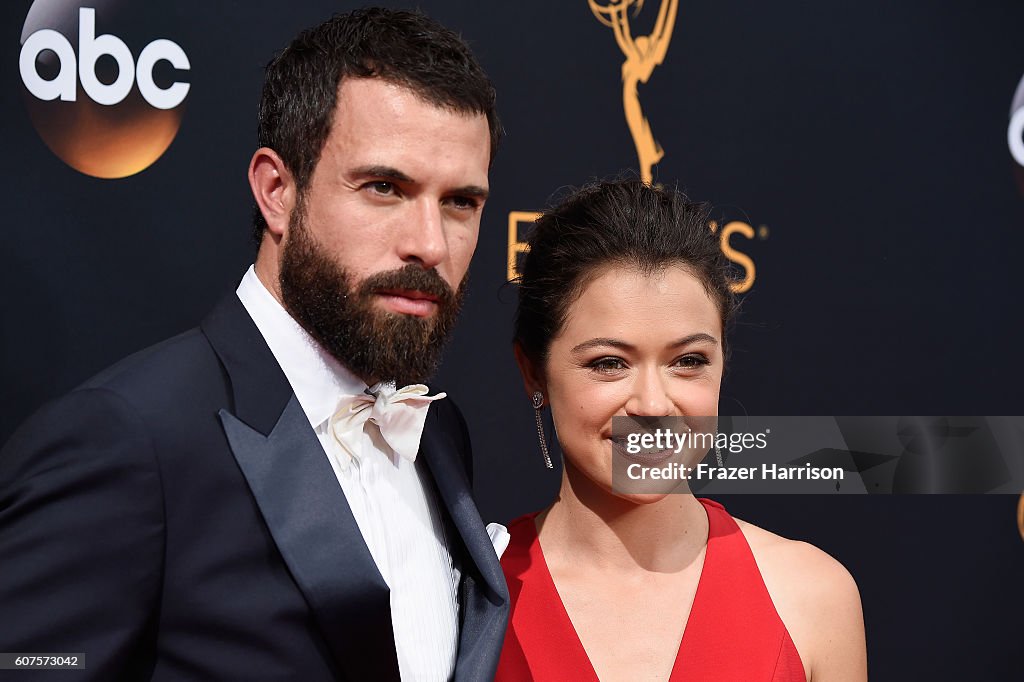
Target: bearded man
(276, 494)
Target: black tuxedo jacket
(175, 518)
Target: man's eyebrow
(384, 172)
(395, 175)
(471, 191)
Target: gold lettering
(515, 246)
(735, 256)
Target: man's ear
(533, 376)
(273, 188)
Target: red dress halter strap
(733, 634)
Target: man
(252, 500)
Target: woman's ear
(533, 377)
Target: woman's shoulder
(799, 563)
(815, 596)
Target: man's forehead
(378, 123)
(354, 90)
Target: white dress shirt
(393, 505)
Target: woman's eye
(692, 361)
(607, 365)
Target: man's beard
(374, 344)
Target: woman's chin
(653, 495)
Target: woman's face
(632, 345)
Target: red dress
(733, 633)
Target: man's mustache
(411, 277)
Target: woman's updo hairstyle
(624, 223)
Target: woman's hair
(624, 223)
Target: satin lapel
(299, 497)
(483, 594)
(259, 387)
(312, 525)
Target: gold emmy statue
(643, 53)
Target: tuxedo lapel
(299, 497)
(483, 594)
(310, 521)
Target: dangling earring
(538, 402)
(718, 453)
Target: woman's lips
(645, 457)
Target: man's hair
(300, 87)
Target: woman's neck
(608, 532)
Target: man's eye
(382, 188)
(464, 203)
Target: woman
(623, 304)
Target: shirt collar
(316, 377)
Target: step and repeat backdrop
(866, 162)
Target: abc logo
(107, 107)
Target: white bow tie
(400, 416)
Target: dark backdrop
(865, 144)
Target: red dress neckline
(733, 631)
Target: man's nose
(424, 240)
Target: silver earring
(718, 453)
(538, 402)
